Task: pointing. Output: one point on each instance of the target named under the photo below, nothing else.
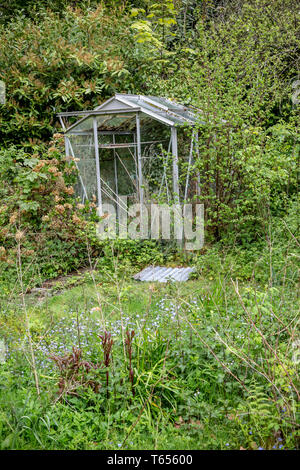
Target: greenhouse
(142, 147)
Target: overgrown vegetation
(98, 361)
(210, 364)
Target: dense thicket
(237, 61)
(237, 58)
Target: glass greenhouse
(137, 146)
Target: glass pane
(155, 142)
(175, 112)
(117, 166)
(83, 148)
(84, 125)
(127, 177)
(115, 121)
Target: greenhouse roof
(123, 107)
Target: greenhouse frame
(122, 148)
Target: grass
(203, 375)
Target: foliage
(236, 66)
(156, 27)
(198, 368)
(241, 70)
(55, 63)
(74, 373)
(38, 210)
(246, 176)
(274, 258)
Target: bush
(39, 212)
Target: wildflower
(13, 218)
(69, 190)
(19, 235)
(52, 169)
(76, 219)
(59, 208)
(96, 309)
(28, 252)
(40, 165)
